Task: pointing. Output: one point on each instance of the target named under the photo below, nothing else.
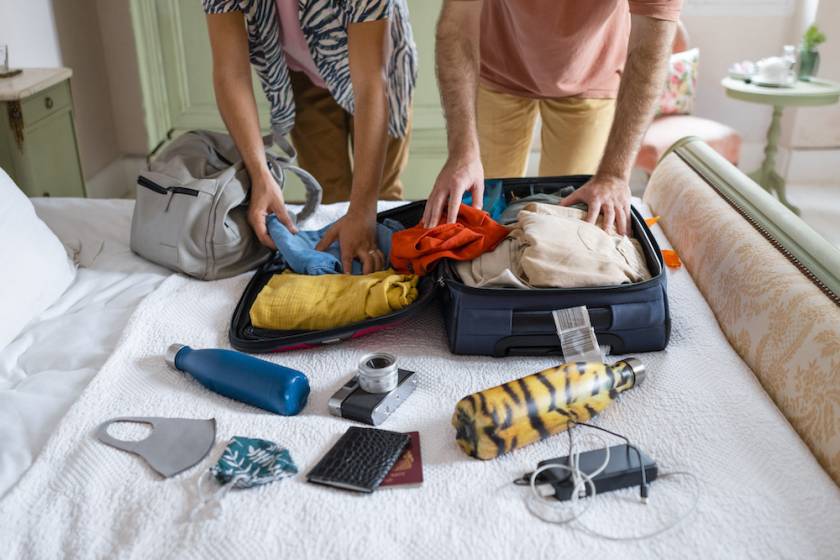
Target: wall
(810, 136)
(94, 38)
(80, 41)
(28, 28)
(123, 75)
(49, 33)
(819, 127)
(726, 34)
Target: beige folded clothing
(553, 247)
(498, 268)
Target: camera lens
(378, 362)
(378, 373)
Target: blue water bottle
(243, 378)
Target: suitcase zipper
(542, 291)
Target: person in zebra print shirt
(339, 77)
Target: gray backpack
(191, 209)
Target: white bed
(700, 409)
(43, 371)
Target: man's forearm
(457, 66)
(641, 85)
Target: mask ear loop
(213, 500)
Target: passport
(408, 470)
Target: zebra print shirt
(324, 24)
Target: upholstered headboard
(772, 282)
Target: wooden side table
(802, 94)
(38, 146)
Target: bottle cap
(638, 368)
(171, 353)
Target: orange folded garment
(415, 250)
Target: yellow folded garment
(292, 301)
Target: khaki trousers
(574, 133)
(323, 138)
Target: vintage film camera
(377, 390)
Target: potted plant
(809, 57)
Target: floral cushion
(678, 95)
(779, 322)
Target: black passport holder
(360, 459)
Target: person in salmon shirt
(339, 78)
(593, 72)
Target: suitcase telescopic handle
(545, 345)
(526, 321)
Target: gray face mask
(174, 445)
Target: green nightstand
(37, 139)
(802, 94)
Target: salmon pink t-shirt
(560, 48)
(295, 47)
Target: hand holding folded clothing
(267, 200)
(302, 254)
(356, 237)
(459, 176)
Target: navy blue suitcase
(628, 318)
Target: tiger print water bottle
(503, 418)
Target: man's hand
(605, 195)
(457, 177)
(356, 235)
(267, 198)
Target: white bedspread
(700, 409)
(43, 371)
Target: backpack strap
(282, 163)
(313, 188)
(281, 142)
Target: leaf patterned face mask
(249, 462)
(246, 462)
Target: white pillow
(34, 268)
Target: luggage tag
(577, 337)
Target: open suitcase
(494, 321)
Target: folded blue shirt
(298, 250)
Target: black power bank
(622, 471)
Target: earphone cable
(580, 480)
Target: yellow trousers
(574, 133)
